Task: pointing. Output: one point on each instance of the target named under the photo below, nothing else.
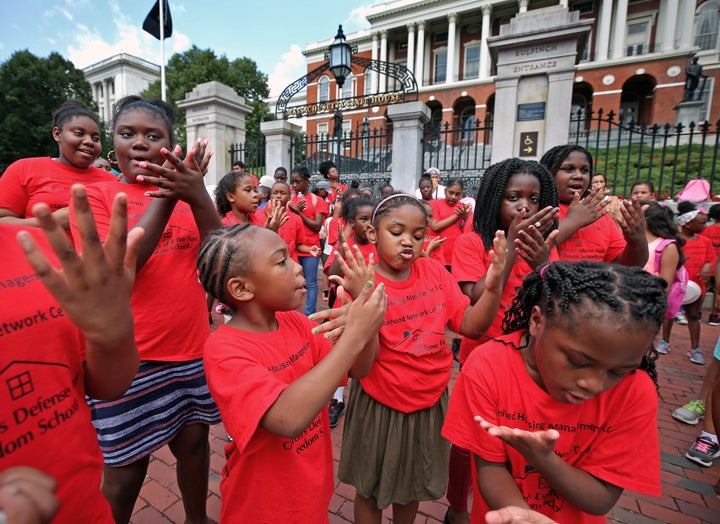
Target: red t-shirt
(333, 230)
(168, 301)
(256, 218)
(698, 251)
(470, 263)
(44, 420)
(31, 180)
(314, 206)
(414, 362)
(439, 252)
(269, 478)
(594, 436)
(713, 233)
(600, 241)
(442, 210)
(293, 233)
(334, 194)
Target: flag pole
(162, 49)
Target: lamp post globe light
(340, 57)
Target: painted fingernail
(368, 284)
(328, 335)
(164, 150)
(315, 330)
(140, 178)
(177, 149)
(312, 316)
(147, 193)
(142, 164)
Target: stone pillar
(451, 50)
(216, 112)
(669, 16)
(411, 47)
(484, 34)
(409, 121)
(619, 27)
(522, 6)
(383, 58)
(536, 54)
(686, 20)
(564, 3)
(279, 135)
(375, 74)
(602, 40)
(420, 59)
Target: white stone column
(619, 27)
(409, 121)
(560, 87)
(523, 5)
(411, 47)
(383, 58)
(669, 16)
(451, 50)
(564, 3)
(484, 34)
(106, 98)
(602, 38)
(279, 135)
(686, 20)
(375, 74)
(420, 59)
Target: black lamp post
(340, 57)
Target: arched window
(707, 21)
(467, 124)
(324, 89)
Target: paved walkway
(688, 496)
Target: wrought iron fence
(460, 151)
(667, 155)
(252, 154)
(363, 155)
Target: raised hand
(356, 272)
(494, 280)
(275, 215)
(586, 210)
(632, 220)
(27, 496)
(516, 515)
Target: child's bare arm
(94, 289)
(302, 400)
(590, 494)
(497, 485)
(308, 250)
(433, 245)
(480, 316)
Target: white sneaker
(680, 318)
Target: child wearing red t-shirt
(586, 232)
(49, 364)
(291, 229)
(271, 370)
(451, 217)
(699, 260)
(521, 200)
(557, 399)
(29, 181)
(392, 451)
(433, 244)
(713, 233)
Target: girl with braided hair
(561, 399)
(586, 232)
(519, 198)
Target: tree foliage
(195, 66)
(31, 88)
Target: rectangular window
(322, 136)
(440, 73)
(324, 89)
(368, 81)
(440, 38)
(472, 62)
(348, 88)
(346, 128)
(637, 37)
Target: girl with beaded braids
(272, 370)
(585, 230)
(560, 396)
(392, 451)
(168, 401)
(28, 181)
(519, 197)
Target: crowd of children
(558, 306)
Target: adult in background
(438, 190)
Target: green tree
(186, 70)
(31, 88)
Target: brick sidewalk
(688, 496)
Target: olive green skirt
(395, 457)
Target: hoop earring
(111, 157)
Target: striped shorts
(163, 397)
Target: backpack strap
(659, 251)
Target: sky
(271, 32)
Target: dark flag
(152, 21)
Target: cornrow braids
(555, 156)
(394, 201)
(227, 184)
(225, 253)
(659, 221)
(70, 109)
(492, 191)
(633, 295)
(157, 107)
